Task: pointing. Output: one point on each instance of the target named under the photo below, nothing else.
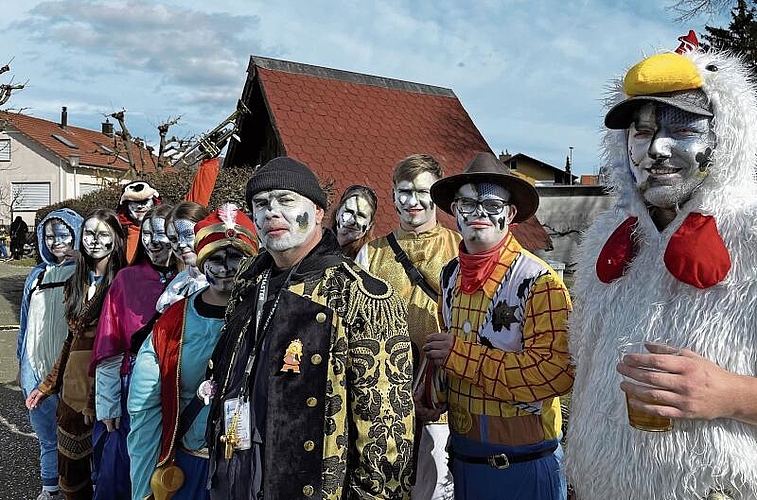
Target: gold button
(320, 317)
(210, 363)
(316, 359)
(307, 490)
(311, 402)
(309, 445)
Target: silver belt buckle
(498, 461)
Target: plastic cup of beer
(639, 419)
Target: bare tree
(689, 9)
(6, 89)
(11, 197)
(173, 151)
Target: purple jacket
(128, 306)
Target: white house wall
(30, 162)
(565, 212)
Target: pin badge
(292, 357)
(206, 391)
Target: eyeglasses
(468, 205)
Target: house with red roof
(353, 128)
(44, 162)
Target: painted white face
(155, 241)
(412, 199)
(181, 234)
(670, 151)
(284, 219)
(138, 209)
(59, 239)
(483, 215)
(353, 219)
(220, 267)
(97, 238)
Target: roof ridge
(349, 76)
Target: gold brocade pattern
(368, 427)
(429, 252)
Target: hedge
(229, 187)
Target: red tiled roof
(89, 143)
(354, 128)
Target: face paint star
(503, 316)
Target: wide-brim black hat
(486, 167)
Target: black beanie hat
(286, 173)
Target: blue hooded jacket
(49, 324)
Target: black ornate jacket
(341, 428)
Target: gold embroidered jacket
(343, 426)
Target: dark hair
(188, 210)
(160, 211)
(81, 312)
(352, 248)
(416, 164)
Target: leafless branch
(163, 131)
(688, 9)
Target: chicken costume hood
(692, 284)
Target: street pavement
(19, 448)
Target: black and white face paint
(97, 238)
(353, 219)
(155, 241)
(412, 199)
(483, 228)
(220, 267)
(59, 239)
(138, 209)
(284, 219)
(181, 234)
(670, 153)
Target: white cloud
(530, 74)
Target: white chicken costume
(692, 284)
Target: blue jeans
(540, 479)
(44, 424)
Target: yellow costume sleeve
(541, 370)
(381, 400)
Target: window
(65, 141)
(106, 148)
(85, 188)
(5, 150)
(30, 195)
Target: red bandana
(475, 268)
(695, 255)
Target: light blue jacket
(51, 317)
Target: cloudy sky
(530, 73)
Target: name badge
(237, 423)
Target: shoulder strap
(45, 286)
(188, 416)
(412, 272)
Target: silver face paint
(670, 151)
(353, 219)
(284, 219)
(181, 234)
(412, 199)
(156, 243)
(97, 238)
(59, 239)
(480, 229)
(138, 209)
(220, 267)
